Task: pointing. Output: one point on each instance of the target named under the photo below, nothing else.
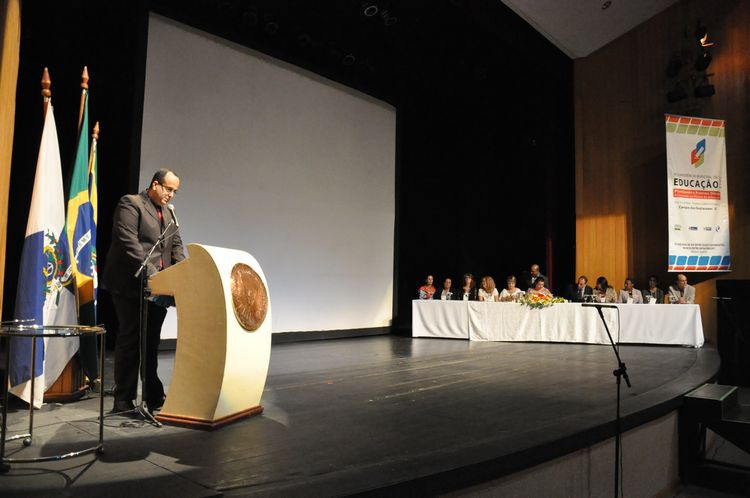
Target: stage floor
(385, 413)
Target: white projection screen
(279, 162)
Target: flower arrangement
(538, 300)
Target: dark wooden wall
(620, 101)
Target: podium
(223, 337)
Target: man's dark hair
(160, 174)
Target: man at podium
(138, 221)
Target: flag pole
(46, 92)
(93, 197)
(84, 89)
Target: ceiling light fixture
(700, 31)
(703, 61)
(674, 66)
(704, 41)
(704, 89)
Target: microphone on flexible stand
(599, 305)
(174, 216)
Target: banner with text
(697, 194)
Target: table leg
(4, 467)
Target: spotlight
(704, 41)
(703, 61)
(700, 31)
(304, 40)
(388, 18)
(674, 67)
(348, 60)
(676, 94)
(704, 89)
(371, 10)
(250, 18)
(272, 27)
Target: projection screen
(281, 163)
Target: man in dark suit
(577, 293)
(533, 275)
(138, 221)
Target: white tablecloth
(564, 322)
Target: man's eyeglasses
(169, 190)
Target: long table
(563, 322)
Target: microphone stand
(141, 409)
(619, 373)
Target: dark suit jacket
(439, 292)
(135, 228)
(659, 295)
(458, 294)
(529, 281)
(573, 293)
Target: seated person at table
(488, 291)
(511, 292)
(653, 291)
(427, 290)
(603, 293)
(468, 291)
(446, 294)
(630, 292)
(578, 293)
(539, 289)
(681, 293)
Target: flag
(80, 228)
(44, 292)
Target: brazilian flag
(80, 228)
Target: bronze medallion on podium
(249, 297)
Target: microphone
(174, 216)
(598, 305)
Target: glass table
(17, 330)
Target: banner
(697, 195)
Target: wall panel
(10, 41)
(620, 100)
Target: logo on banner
(696, 156)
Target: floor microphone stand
(620, 373)
(142, 409)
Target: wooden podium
(223, 337)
